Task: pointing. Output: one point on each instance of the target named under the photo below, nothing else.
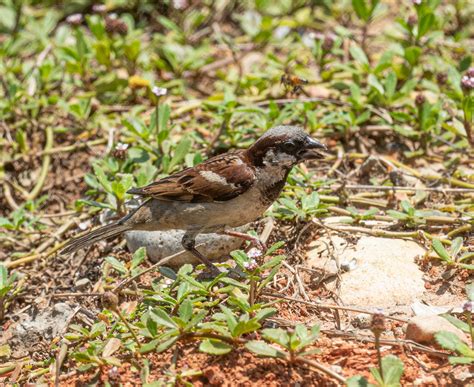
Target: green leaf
(243, 327)
(456, 247)
(117, 265)
(390, 85)
(166, 344)
(276, 335)
(263, 349)
(167, 272)
(461, 360)
(180, 152)
(162, 318)
(148, 347)
(448, 340)
(457, 323)
(412, 54)
(185, 311)
(359, 55)
(240, 258)
(440, 250)
(397, 215)
(361, 9)
(357, 381)
(3, 277)
(138, 257)
(230, 318)
(392, 368)
(425, 24)
(100, 175)
(215, 347)
(375, 83)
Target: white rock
(385, 274)
(423, 328)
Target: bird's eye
(289, 146)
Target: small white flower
(159, 91)
(75, 19)
(99, 8)
(254, 253)
(417, 2)
(121, 146)
(280, 32)
(251, 266)
(180, 4)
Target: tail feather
(101, 233)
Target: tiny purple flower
(468, 307)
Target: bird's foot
(260, 245)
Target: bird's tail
(104, 232)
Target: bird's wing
(219, 178)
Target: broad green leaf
(180, 152)
(3, 277)
(390, 85)
(276, 335)
(375, 83)
(457, 323)
(425, 24)
(461, 360)
(166, 344)
(215, 347)
(138, 257)
(412, 54)
(185, 311)
(357, 381)
(440, 250)
(148, 347)
(456, 247)
(359, 55)
(162, 318)
(243, 327)
(117, 265)
(448, 340)
(263, 349)
(392, 368)
(361, 9)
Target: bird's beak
(311, 148)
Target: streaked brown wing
(220, 178)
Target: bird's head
(285, 146)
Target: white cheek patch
(213, 177)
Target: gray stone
(48, 324)
(422, 329)
(82, 283)
(160, 244)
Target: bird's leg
(254, 240)
(189, 243)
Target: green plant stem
(431, 219)
(129, 327)
(44, 167)
(471, 328)
(379, 355)
(460, 230)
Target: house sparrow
(225, 191)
